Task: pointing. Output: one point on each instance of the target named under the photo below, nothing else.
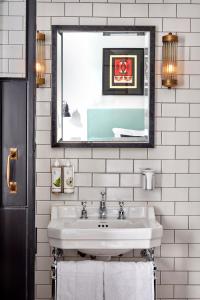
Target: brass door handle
(12, 185)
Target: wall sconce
(169, 60)
(40, 58)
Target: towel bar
(58, 254)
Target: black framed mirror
(103, 86)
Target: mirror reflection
(103, 86)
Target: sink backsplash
(74, 211)
(175, 157)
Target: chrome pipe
(57, 254)
(149, 255)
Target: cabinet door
(17, 233)
(17, 108)
(14, 135)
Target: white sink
(111, 236)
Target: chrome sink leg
(57, 254)
(149, 255)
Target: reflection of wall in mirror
(102, 122)
(82, 76)
(73, 127)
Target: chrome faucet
(121, 215)
(84, 211)
(102, 207)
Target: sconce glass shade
(169, 60)
(40, 58)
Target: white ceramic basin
(111, 236)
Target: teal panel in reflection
(100, 122)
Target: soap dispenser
(148, 179)
(68, 178)
(56, 178)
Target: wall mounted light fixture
(40, 58)
(169, 60)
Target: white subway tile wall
(176, 156)
(12, 38)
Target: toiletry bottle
(68, 178)
(56, 178)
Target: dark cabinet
(17, 173)
(17, 233)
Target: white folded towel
(129, 281)
(81, 280)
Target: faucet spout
(102, 207)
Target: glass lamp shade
(40, 58)
(169, 60)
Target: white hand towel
(80, 280)
(129, 281)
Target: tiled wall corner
(12, 38)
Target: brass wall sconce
(40, 58)
(169, 60)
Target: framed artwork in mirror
(123, 71)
